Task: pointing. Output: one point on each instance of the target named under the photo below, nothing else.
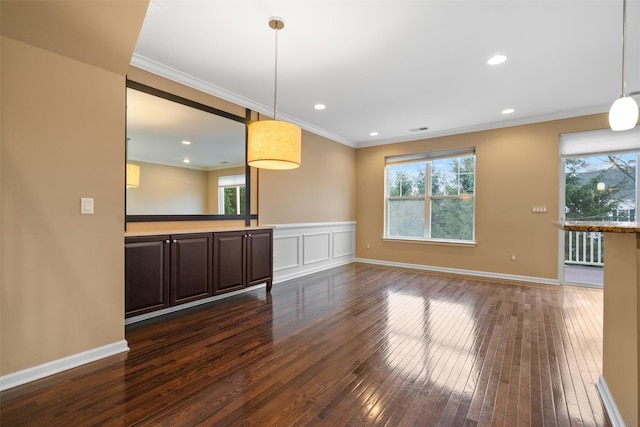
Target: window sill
(468, 244)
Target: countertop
(599, 226)
(191, 231)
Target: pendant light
(274, 144)
(133, 175)
(623, 114)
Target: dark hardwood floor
(352, 346)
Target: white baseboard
(609, 404)
(38, 372)
(476, 273)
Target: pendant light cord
(624, 46)
(275, 83)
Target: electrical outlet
(513, 257)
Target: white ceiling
(393, 65)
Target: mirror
(185, 160)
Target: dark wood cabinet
(242, 258)
(260, 258)
(191, 265)
(146, 284)
(229, 249)
(167, 270)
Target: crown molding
(489, 126)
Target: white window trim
(442, 242)
(428, 158)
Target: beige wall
(62, 137)
(516, 167)
(621, 328)
(322, 189)
(99, 33)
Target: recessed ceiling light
(319, 106)
(186, 161)
(186, 142)
(497, 59)
(373, 134)
(508, 111)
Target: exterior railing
(583, 248)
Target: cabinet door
(191, 263)
(146, 274)
(229, 251)
(260, 257)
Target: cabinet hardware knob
(167, 241)
(175, 241)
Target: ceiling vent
(420, 129)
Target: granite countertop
(599, 226)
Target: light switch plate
(86, 206)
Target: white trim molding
(301, 249)
(609, 404)
(490, 275)
(56, 366)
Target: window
(430, 196)
(231, 195)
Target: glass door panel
(596, 188)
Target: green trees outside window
(601, 188)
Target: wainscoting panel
(343, 243)
(317, 247)
(286, 252)
(300, 249)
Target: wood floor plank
(354, 345)
(546, 387)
